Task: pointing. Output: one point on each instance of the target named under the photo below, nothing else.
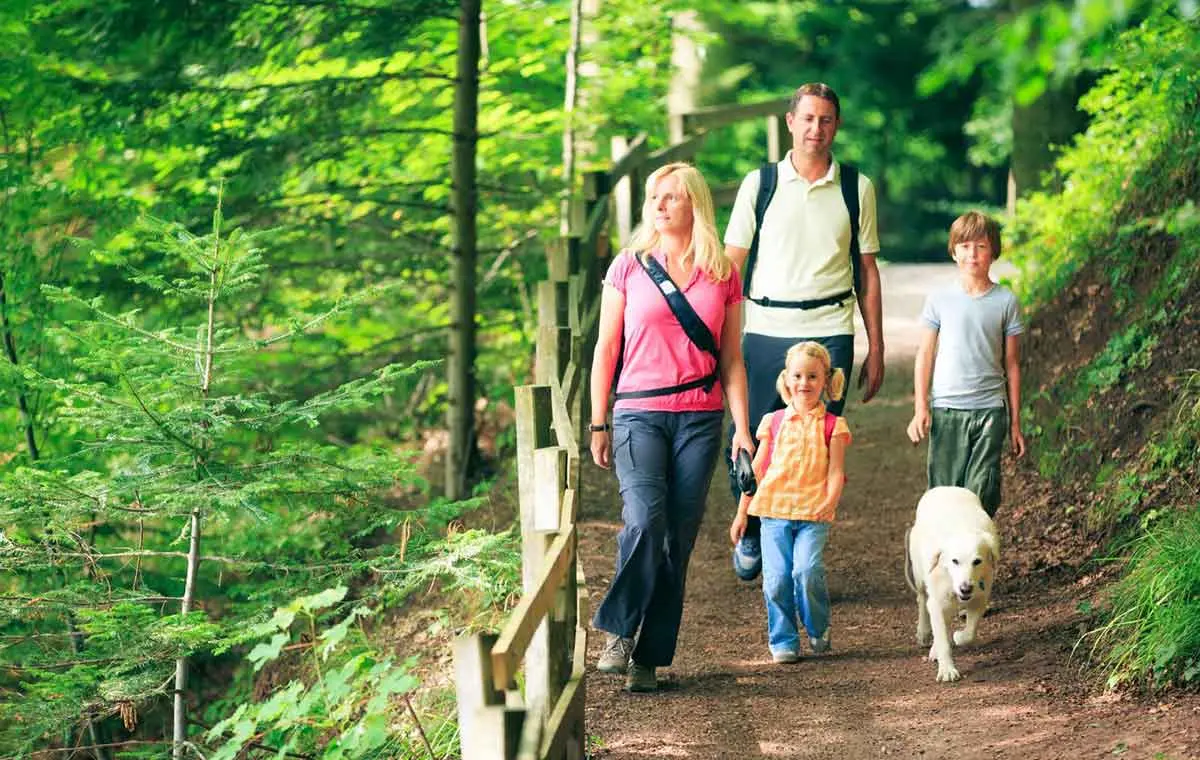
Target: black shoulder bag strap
(768, 177)
(694, 327)
(849, 176)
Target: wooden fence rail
(547, 631)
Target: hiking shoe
(615, 657)
(641, 678)
(747, 558)
(785, 657)
(820, 645)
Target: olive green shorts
(964, 450)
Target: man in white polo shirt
(802, 285)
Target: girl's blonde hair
(705, 250)
(835, 379)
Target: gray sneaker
(822, 644)
(785, 657)
(615, 657)
(641, 678)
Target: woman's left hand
(741, 440)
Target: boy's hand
(1018, 442)
(919, 427)
(737, 529)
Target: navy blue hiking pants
(664, 463)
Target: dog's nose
(964, 590)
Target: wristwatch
(603, 427)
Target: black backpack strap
(694, 327)
(768, 178)
(849, 178)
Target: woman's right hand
(602, 449)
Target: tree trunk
(461, 411)
(686, 67)
(1039, 127)
(569, 99)
(179, 736)
(181, 664)
(10, 350)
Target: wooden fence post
(779, 139)
(534, 431)
(488, 729)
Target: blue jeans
(664, 463)
(793, 557)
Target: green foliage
(1143, 114)
(1152, 634)
(350, 704)
(173, 436)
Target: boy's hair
(972, 226)
(835, 380)
(816, 89)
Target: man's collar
(787, 172)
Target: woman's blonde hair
(705, 249)
(835, 379)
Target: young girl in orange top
(800, 465)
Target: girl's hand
(737, 528)
(602, 449)
(741, 440)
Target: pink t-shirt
(658, 353)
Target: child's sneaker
(820, 645)
(785, 657)
(747, 558)
(615, 657)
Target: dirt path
(873, 695)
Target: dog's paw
(924, 636)
(962, 638)
(932, 656)
(947, 672)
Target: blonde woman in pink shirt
(674, 371)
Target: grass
(1152, 635)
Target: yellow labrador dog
(952, 550)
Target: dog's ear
(993, 546)
(933, 562)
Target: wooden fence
(547, 631)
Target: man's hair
(817, 89)
(975, 225)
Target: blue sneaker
(747, 558)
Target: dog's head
(970, 560)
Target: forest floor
(1024, 692)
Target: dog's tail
(908, 574)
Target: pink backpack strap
(776, 424)
(830, 423)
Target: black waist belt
(707, 382)
(812, 303)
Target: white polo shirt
(803, 251)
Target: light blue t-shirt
(968, 370)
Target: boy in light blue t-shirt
(970, 351)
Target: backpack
(768, 178)
(777, 423)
